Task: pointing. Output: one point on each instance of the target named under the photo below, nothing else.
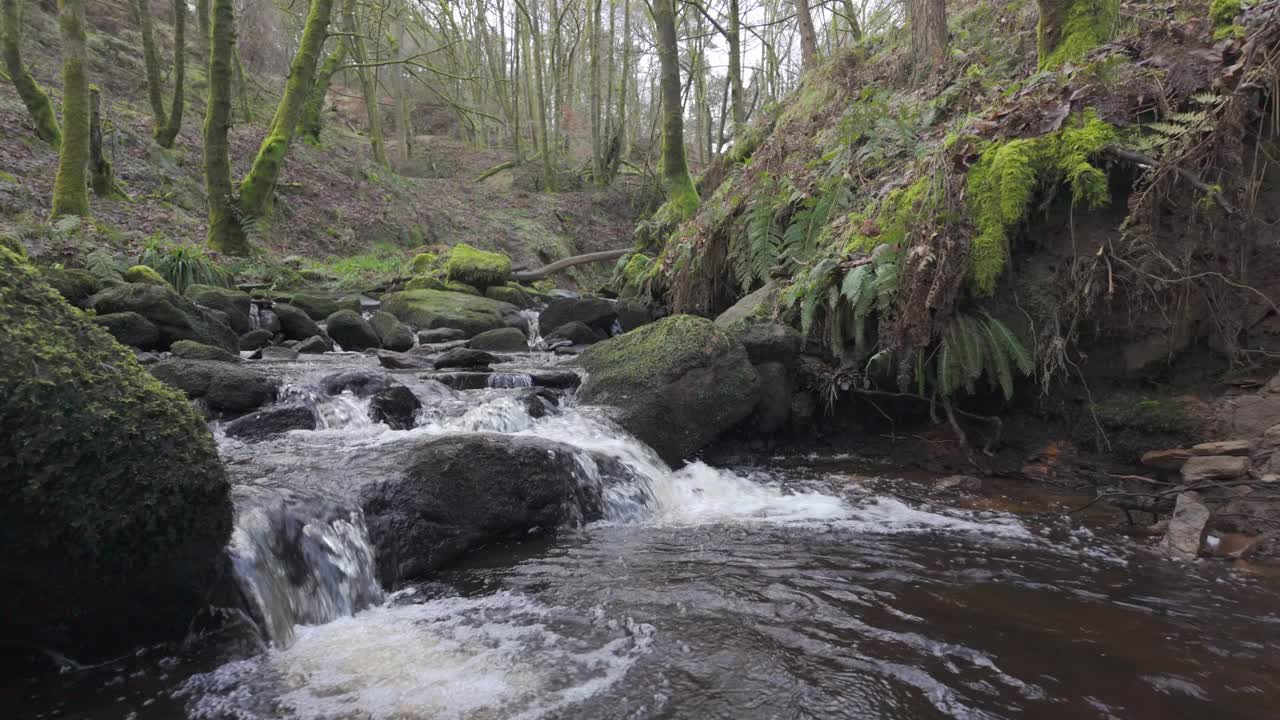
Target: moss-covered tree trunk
(359, 55)
(168, 132)
(165, 125)
(71, 187)
(1070, 28)
(403, 131)
(33, 96)
(257, 190)
(102, 177)
(151, 64)
(734, 39)
(225, 232)
(677, 184)
(202, 21)
(311, 122)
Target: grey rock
(501, 340)
(270, 421)
(351, 331)
(1214, 467)
(464, 358)
(393, 334)
(396, 406)
(1186, 528)
(255, 339)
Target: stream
(798, 587)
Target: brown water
(796, 590)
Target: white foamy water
(504, 655)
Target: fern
(972, 348)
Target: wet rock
(577, 333)
(395, 406)
(189, 350)
(632, 315)
(767, 341)
(114, 506)
(402, 361)
(595, 313)
(676, 384)
(318, 305)
(540, 402)
(1186, 528)
(270, 421)
(568, 350)
(267, 318)
(224, 387)
(351, 331)
(500, 340)
(276, 353)
(464, 358)
(359, 382)
(462, 380)
(314, 345)
(511, 293)
(255, 339)
(440, 335)
(129, 328)
(958, 483)
(174, 317)
(232, 302)
(1214, 467)
(434, 309)
(1172, 460)
(1233, 546)
(774, 409)
(459, 492)
(393, 334)
(558, 379)
(296, 324)
(1222, 447)
(804, 407)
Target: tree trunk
(225, 232)
(257, 190)
(403, 132)
(851, 17)
(928, 33)
(597, 134)
(734, 39)
(202, 21)
(808, 38)
(168, 131)
(626, 76)
(151, 63)
(312, 121)
(71, 189)
(33, 96)
(101, 176)
(368, 87)
(677, 184)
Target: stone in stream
(224, 387)
(351, 331)
(314, 345)
(402, 361)
(596, 313)
(455, 493)
(191, 350)
(361, 382)
(676, 384)
(1214, 467)
(296, 324)
(395, 406)
(234, 303)
(464, 358)
(276, 353)
(461, 379)
(255, 339)
(114, 506)
(577, 333)
(558, 379)
(1186, 528)
(393, 334)
(130, 328)
(174, 317)
(434, 309)
(501, 340)
(479, 268)
(440, 335)
(270, 421)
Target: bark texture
(677, 184)
(225, 233)
(71, 188)
(33, 96)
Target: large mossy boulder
(114, 506)
(320, 305)
(478, 268)
(146, 275)
(456, 493)
(191, 350)
(175, 317)
(226, 388)
(75, 286)
(351, 331)
(130, 328)
(295, 324)
(511, 293)
(501, 340)
(432, 309)
(234, 303)
(675, 384)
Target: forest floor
(334, 203)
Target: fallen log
(557, 266)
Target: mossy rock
(129, 328)
(320, 305)
(351, 331)
(294, 323)
(114, 505)
(424, 263)
(146, 275)
(478, 268)
(191, 350)
(425, 282)
(234, 303)
(511, 293)
(76, 286)
(459, 287)
(394, 334)
(506, 339)
(432, 309)
(767, 341)
(225, 387)
(175, 317)
(676, 384)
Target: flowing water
(798, 589)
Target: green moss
(647, 356)
(75, 286)
(1223, 13)
(13, 244)
(71, 185)
(1070, 28)
(111, 489)
(425, 282)
(145, 275)
(477, 268)
(424, 263)
(1002, 183)
(433, 309)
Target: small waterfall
(332, 412)
(255, 315)
(509, 380)
(299, 570)
(535, 332)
